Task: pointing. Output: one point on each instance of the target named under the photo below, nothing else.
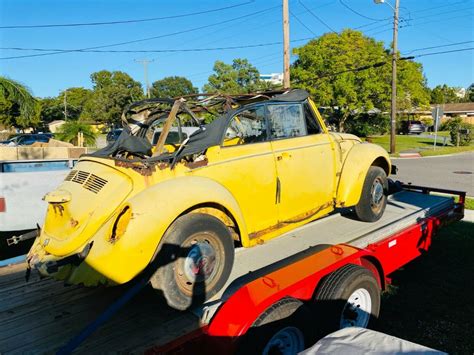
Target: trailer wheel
(194, 261)
(347, 297)
(284, 328)
(373, 200)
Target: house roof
(56, 122)
(460, 107)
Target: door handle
(284, 155)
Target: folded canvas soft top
(139, 116)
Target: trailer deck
(42, 315)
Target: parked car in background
(28, 139)
(411, 127)
(113, 135)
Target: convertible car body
(267, 164)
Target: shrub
(368, 125)
(454, 125)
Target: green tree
(325, 68)
(172, 86)
(236, 78)
(69, 130)
(51, 109)
(72, 99)
(470, 93)
(18, 107)
(76, 100)
(444, 94)
(112, 92)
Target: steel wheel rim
(357, 310)
(376, 195)
(199, 265)
(287, 341)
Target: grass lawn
(469, 203)
(420, 144)
(430, 299)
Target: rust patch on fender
(73, 222)
(57, 207)
(196, 164)
(142, 169)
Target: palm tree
(68, 132)
(20, 95)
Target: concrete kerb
(468, 216)
(432, 156)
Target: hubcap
(377, 193)
(200, 262)
(356, 312)
(288, 340)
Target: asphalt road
(449, 172)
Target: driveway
(454, 172)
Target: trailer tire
(285, 324)
(350, 296)
(373, 199)
(194, 260)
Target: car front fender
(152, 211)
(354, 170)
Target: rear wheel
(348, 297)
(373, 200)
(194, 261)
(284, 328)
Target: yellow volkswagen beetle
(265, 166)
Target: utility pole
(286, 46)
(393, 113)
(65, 105)
(145, 63)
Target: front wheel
(373, 200)
(194, 261)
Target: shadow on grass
(430, 299)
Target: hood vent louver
(88, 181)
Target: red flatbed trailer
(301, 267)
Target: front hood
(344, 137)
(81, 204)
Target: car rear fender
(354, 170)
(122, 257)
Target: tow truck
(281, 295)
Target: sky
(423, 24)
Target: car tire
(350, 296)
(283, 328)
(373, 199)
(194, 260)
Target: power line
(370, 24)
(440, 46)
(317, 17)
(151, 50)
(380, 64)
(143, 39)
(444, 20)
(444, 52)
(408, 22)
(359, 14)
(302, 23)
(127, 21)
(442, 13)
(438, 7)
